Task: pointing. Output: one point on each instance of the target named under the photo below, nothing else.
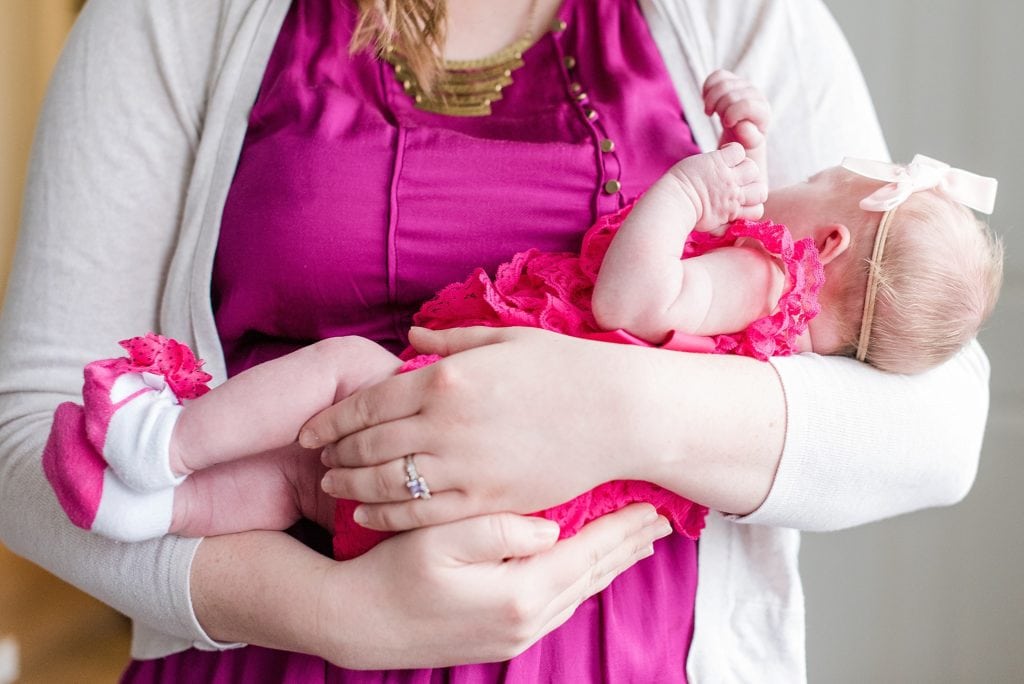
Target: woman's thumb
(497, 536)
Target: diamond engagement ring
(414, 481)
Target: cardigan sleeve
(110, 165)
(915, 441)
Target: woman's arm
(574, 414)
(111, 160)
(111, 163)
(478, 590)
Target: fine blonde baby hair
(938, 280)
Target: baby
(911, 277)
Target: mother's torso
(350, 206)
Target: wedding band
(414, 481)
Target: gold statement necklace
(467, 87)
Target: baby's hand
(723, 185)
(742, 108)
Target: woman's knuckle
(499, 530)
(383, 483)
(518, 613)
(445, 378)
(417, 515)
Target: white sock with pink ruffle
(109, 460)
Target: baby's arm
(646, 288)
(116, 463)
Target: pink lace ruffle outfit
(553, 291)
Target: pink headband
(922, 173)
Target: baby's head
(929, 280)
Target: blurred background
(51, 631)
(934, 596)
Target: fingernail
(308, 439)
(327, 483)
(546, 530)
(663, 529)
(650, 516)
(360, 516)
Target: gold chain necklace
(467, 87)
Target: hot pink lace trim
(164, 356)
(553, 291)
(777, 333)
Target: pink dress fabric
(553, 291)
(350, 208)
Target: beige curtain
(31, 33)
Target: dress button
(607, 145)
(576, 88)
(590, 113)
(569, 62)
(612, 187)
(559, 25)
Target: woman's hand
(482, 589)
(519, 424)
(520, 419)
(477, 590)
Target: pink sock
(109, 460)
(91, 494)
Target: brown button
(569, 62)
(612, 187)
(559, 25)
(576, 88)
(591, 114)
(607, 145)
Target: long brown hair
(415, 29)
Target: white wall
(938, 596)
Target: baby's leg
(264, 407)
(115, 463)
(269, 491)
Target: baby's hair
(938, 281)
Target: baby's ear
(832, 240)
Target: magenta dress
(350, 208)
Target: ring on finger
(414, 482)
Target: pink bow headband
(922, 173)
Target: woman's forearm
(711, 427)
(433, 597)
(260, 588)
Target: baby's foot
(109, 461)
(132, 404)
(91, 494)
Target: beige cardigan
(133, 158)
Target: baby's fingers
(715, 86)
(745, 104)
